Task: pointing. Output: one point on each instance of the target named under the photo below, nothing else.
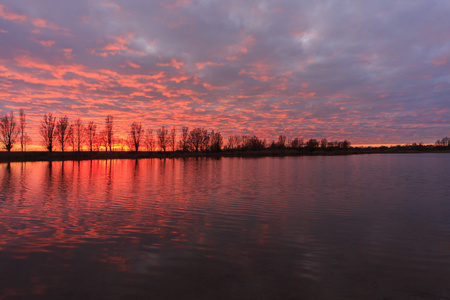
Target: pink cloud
(68, 53)
(133, 65)
(212, 87)
(120, 45)
(173, 63)
(11, 16)
(177, 4)
(45, 24)
(439, 62)
(241, 48)
(180, 78)
(45, 43)
(202, 65)
(110, 4)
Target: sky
(372, 72)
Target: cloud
(370, 71)
(8, 15)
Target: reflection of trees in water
(98, 176)
(90, 177)
(77, 181)
(109, 180)
(23, 188)
(57, 184)
(15, 182)
(137, 179)
(62, 184)
(48, 183)
(7, 186)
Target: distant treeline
(63, 134)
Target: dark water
(351, 227)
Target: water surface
(347, 227)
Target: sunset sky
(372, 72)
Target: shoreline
(30, 156)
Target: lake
(324, 227)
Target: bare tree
(78, 133)
(22, 128)
(444, 142)
(90, 134)
(71, 136)
(97, 141)
(163, 138)
(216, 141)
(122, 143)
(26, 141)
(149, 141)
(184, 145)
(195, 138)
(281, 142)
(345, 144)
(312, 144)
(253, 143)
(199, 139)
(9, 131)
(102, 139)
(233, 142)
(47, 131)
(172, 138)
(205, 140)
(136, 135)
(296, 143)
(62, 130)
(323, 143)
(109, 131)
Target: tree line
(444, 142)
(11, 132)
(63, 134)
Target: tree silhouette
(22, 128)
(102, 139)
(323, 143)
(9, 131)
(172, 138)
(47, 131)
(254, 143)
(296, 143)
(122, 143)
(91, 135)
(78, 133)
(184, 145)
(216, 141)
(62, 130)
(204, 145)
(444, 142)
(163, 137)
(345, 144)
(136, 135)
(71, 136)
(281, 144)
(109, 132)
(196, 138)
(233, 142)
(312, 144)
(149, 141)
(26, 141)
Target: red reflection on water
(73, 202)
(59, 207)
